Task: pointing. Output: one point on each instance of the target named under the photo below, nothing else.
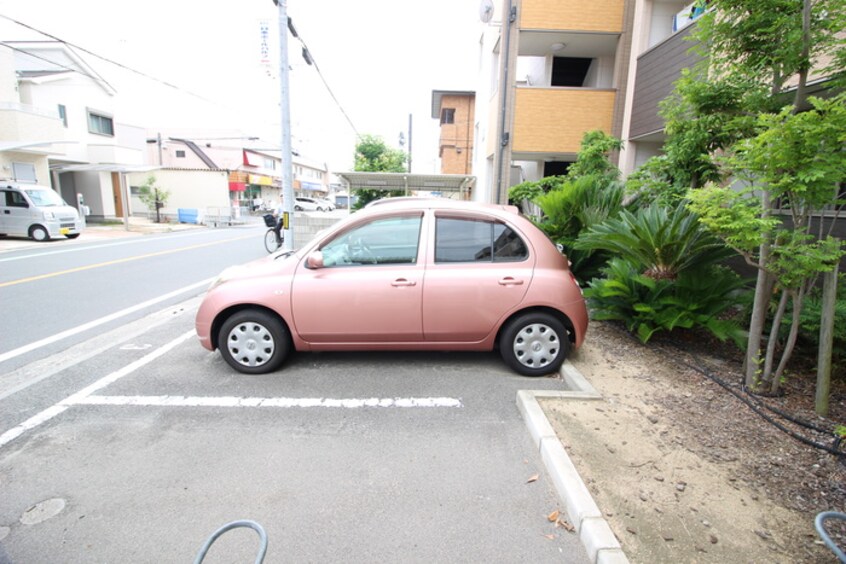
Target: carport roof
(404, 181)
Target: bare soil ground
(686, 472)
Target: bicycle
(273, 238)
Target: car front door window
(393, 240)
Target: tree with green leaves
(373, 155)
(152, 196)
(729, 126)
(796, 159)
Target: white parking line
(78, 397)
(97, 322)
(228, 401)
(84, 397)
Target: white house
(88, 149)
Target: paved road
(134, 444)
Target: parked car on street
(327, 205)
(308, 204)
(37, 212)
(415, 274)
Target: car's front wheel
(534, 344)
(253, 341)
(39, 233)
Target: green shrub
(572, 208)
(660, 242)
(697, 298)
(809, 330)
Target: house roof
(52, 59)
(197, 151)
(437, 98)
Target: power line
(309, 58)
(305, 51)
(59, 65)
(110, 61)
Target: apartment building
(660, 49)
(550, 71)
(456, 112)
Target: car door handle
(402, 282)
(508, 281)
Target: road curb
(593, 530)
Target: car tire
(39, 233)
(253, 341)
(298, 208)
(534, 344)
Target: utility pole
(285, 143)
(409, 143)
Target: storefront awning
(261, 180)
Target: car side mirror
(315, 260)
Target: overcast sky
(381, 59)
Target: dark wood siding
(657, 70)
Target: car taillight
(576, 282)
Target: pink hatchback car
(408, 274)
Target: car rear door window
(477, 240)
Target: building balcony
(551, 122)
(23, 123)
(657, 70)
(604, 16)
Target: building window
(447, 115)
(63, 114)
(180, 154)
(100, 124)
(24, 172)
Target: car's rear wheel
(253, 341)
(534, 344)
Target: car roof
(418, 202)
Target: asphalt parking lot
(138, 444)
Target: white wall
(193, 189)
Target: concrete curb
(593, 530)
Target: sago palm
(660, 242)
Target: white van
(38, 212)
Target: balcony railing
(554, 120)
(20, 122)
(576, 15)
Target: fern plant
(646, 305)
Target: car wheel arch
(538, 309)
(232, 310)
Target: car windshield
(45, 198)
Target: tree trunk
(760, 305)
(805, 64)
(826, 342)
(798, 300)
(767, 375)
